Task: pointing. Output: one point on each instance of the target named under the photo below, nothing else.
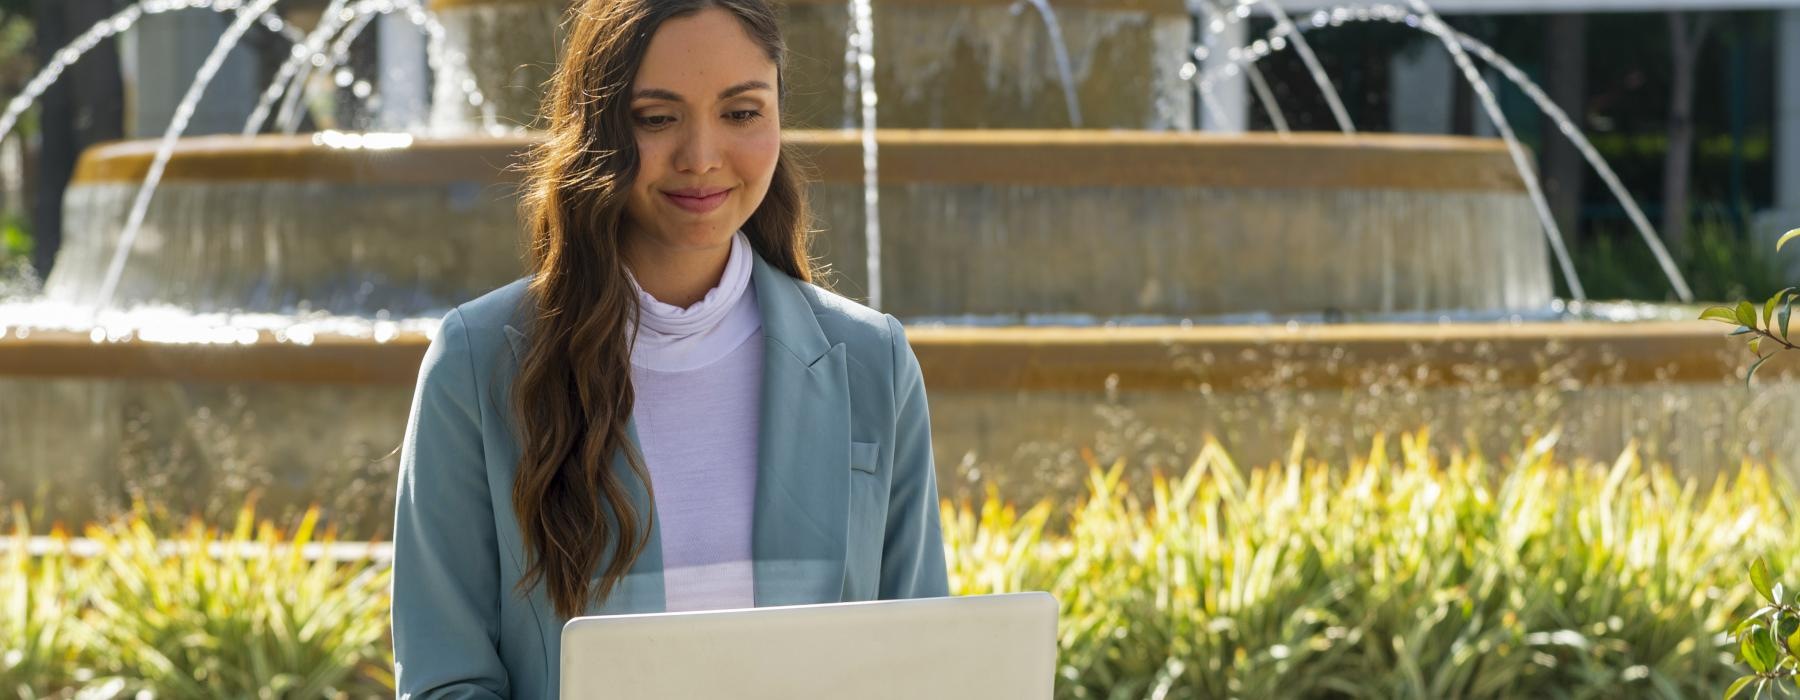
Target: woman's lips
(698, 201)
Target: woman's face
(704, 110)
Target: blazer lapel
(641, 590)
(803, 482)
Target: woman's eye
(655, 120)
(744, 115)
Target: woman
(665, 414)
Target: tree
(1687, 35)
(85, 107)
(1565, 60)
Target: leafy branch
(1767, 640)
(1765, 324)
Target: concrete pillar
(1787, 119)
(1229, 111)
(1420, 101)
(1786, 214)
(404, 83)
(164, 55)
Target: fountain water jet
(1395, 14)
(1062, 55)
(177, 125)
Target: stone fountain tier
(302, 416)
(940, 64)
(999, 224)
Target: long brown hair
(573, 394)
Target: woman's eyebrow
(726, 94)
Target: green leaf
(1738, 686)
(1754, 619)
(1720, 314)
(1742, 330)
(1746, 314)
(1759, 578)
(1768, 309)
(1756, 345)
(1787, 311)
(1791, 235)
(1759, 650)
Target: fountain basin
(988, 224)
(318, 421)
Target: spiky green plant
(40, 642)
(1398, 576)
(1405, 574)
(241, 615)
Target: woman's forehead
(698, 56)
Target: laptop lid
(988, 647)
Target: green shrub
(37, 617)
(1723, 261)
(203, 615)
(1406, 574)
(15, 238)
(1394, 577)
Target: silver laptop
(988, 647)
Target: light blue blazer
(846, 499)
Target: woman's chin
(703, 235)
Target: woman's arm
(912, 557)
(446, 569)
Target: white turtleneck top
(698, 378)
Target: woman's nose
(701, 151)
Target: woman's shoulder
(865, 332)
(496, 309)
(480, 327)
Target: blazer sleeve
(446, 606)
(912, 554)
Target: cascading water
(862, 43)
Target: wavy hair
(573, 393)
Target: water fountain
(1129, 288)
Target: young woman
(665, 414)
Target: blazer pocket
(864, 456)
(867, 524)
